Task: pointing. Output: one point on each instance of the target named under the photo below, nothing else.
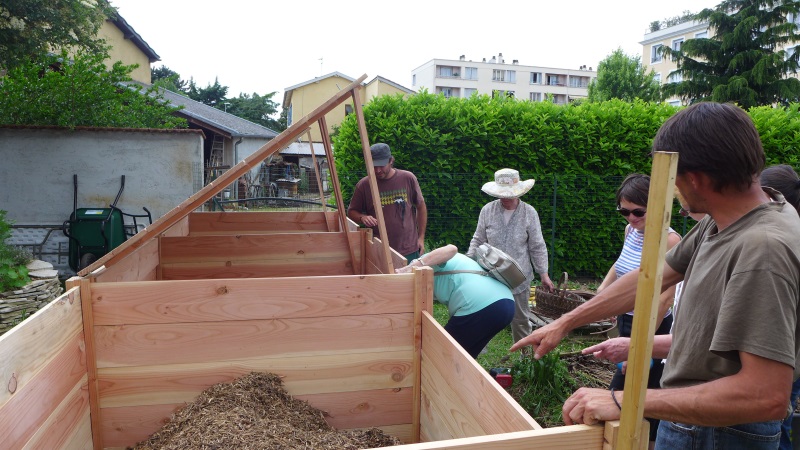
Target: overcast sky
(260, 46)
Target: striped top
(630, 258)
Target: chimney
(484, 59)
(493, 60)
(515, 62)
(461, 58)
(500, 58)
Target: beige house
(128, 47)
(462, 78)
(301, 99)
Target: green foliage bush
(578, 155)
(13, 273)
(60, 90)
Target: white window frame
(655, 54)
(657, 77)
(536, 96)
(536, 78)
(701, 34)
(471, 73)
(468, 92)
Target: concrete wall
(162, 169)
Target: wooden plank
(337, 189)
(139, 266)
(203, 223)
(91, 355)
(132, 345)
(574, 437)
(328, 372)
(231, 175)
(305, 246)
(181, 228)
(263, 269)
(125, 426)
(648, 291)
(323, 201)
(386, 263)
(35, 343)
(31, 405)
(69, 425)
(362, 409)
(470, 382)
(402, 432)
(452, 416)
(423, 301)
(248, 299)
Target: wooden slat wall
(205, 223)
(254, 256)
(344, 343)
(44, 403)
(455, 402)
(141, 265)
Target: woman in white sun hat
(513, 226)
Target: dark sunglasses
(627, 212)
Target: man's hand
(614, 350)
(421, 245)
(542, 340)
(369, 221)
(590, 406)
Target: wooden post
(91, 357)
(316, 172)
(337, 190)
(648, 290)
(373, 184)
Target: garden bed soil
(256, 412)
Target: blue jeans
(748, 436)
(786, 426)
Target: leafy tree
(740, 62)
(623, 77)
(211, 95)
(30, 28)
(168, 79)
(55, 90)
(255, 108)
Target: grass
(542, 386)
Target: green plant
(13, 273)
(542, 386)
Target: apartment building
(672, 37)
(461, 78)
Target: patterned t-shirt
(397, 195)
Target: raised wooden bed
(200, 298)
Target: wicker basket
(561, 300)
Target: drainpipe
(235, 162)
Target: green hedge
(577, 153)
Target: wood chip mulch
(256, 412)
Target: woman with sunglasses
(632, 205)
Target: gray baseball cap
(381, 154)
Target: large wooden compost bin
(200, 298)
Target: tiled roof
(200, 112)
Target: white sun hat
(506, 184)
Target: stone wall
(17, 305)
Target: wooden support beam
(316, 173)
(203, 195)
(648, 291)
(91, 360)
(373, 184)
(337, 189)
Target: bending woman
(479, 306)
